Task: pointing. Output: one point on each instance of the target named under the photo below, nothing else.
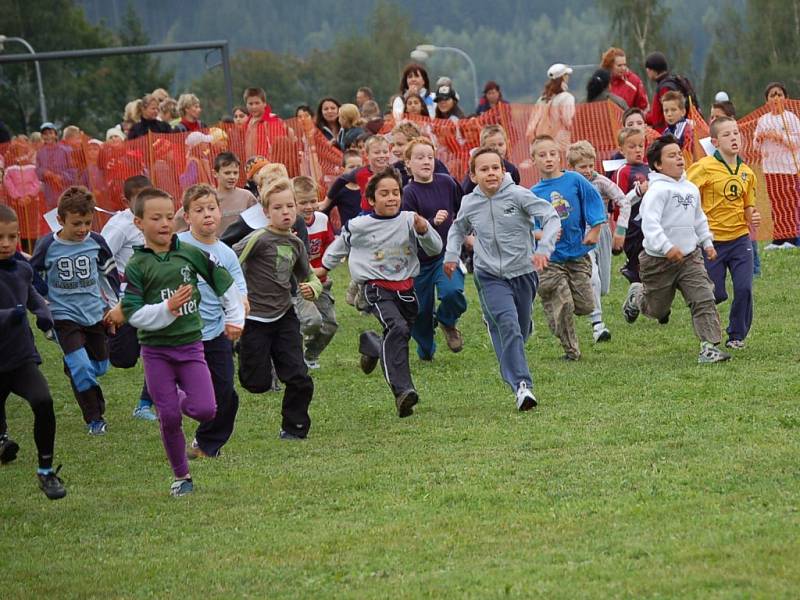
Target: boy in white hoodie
(674, 225)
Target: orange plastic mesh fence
(33, 178)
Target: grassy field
(641, 474)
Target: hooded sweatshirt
(503, 227)
(672, 216)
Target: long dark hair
(414, 68)
(319, 120)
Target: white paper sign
(705, 144)
(52, 221)
(610, 166)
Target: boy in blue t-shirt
(565, 284)
(82, 281)
(202, 211)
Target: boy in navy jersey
(82, 284)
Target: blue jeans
(507, 305)
(452, 304)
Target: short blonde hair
(275, 186)
(185, 102)
(70, 131)
(415, 142)
(628, 132)
(303, 185)
(490, 130)
(375, 139)
(408, 128)
(540, 139)
(195, 192)
(349, 115)
(269, 173)
(580, 151)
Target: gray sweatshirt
(381, 247)
(672, 216)
(503, 227)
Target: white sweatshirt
(672, 216)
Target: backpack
(681, 84)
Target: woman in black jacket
(148, 122)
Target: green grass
(641, 474)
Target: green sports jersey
(153, 278)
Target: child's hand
(440, 217)
(469, 242)
(420, 225)
(233, 332)
(641, 187)
(755, 219)
(675, 255)
(711, 253)
(450, 268)
(246, 304)
(592, 237)
(114, 317)
(618, 242)
(306, 291)
(179, 298)
(540, 262)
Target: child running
(318, 318)
(382, 250)
(82, 282)
(19, 360)
(502, 215)
(565, 284)
(437, 198)
(674, 225)
(270, 257)
(122, 236)
(728, 192)
(581, 157)
(203, 212)
(162, 302)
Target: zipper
(494, 235)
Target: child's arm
(703, 231)
(107, 272)
(224, 286)
(37, 305)
(548, 225)
(338, 250)
(455, 238)
(594, 211)
(651, 213)
(40, 254)
(426, 235)
(148, 317)
(751, 214)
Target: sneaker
(289, 437)
(52, 485)
(788, 246)
(181, 487)
(145, 413)
(630, 308)
(600, 332)
(351, 293)
(525, 398)
(709, 353)
(453, 338)
(311, 364)
(98, 427)
(194, 452)
(665, 319)
(571, 357)
(405, 403)
(773, 246)
(8, 450)
(735, 344)
(368, 363)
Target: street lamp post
(42, 103)
(423, 51)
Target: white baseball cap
(721, 97)
(558, 70)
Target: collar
(718, 156)
(383, 218)
(174, 245)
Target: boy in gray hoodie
(502, 215)
(382, 250)
(674, 227)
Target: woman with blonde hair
(147, 109)
(189, 109)
(352, 126)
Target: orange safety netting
(35, 177)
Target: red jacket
(631, 89)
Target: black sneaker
(405, 403)
(368, 363)
(51, 485)
(665, 319)
(289, 437)
(8, 450)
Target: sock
(42, 471)
(145, 403)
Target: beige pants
(661, 278)
(566, 290)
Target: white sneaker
(788, 246)
(600, 332)
(312, 364)
(525, 398)
(770, 247)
